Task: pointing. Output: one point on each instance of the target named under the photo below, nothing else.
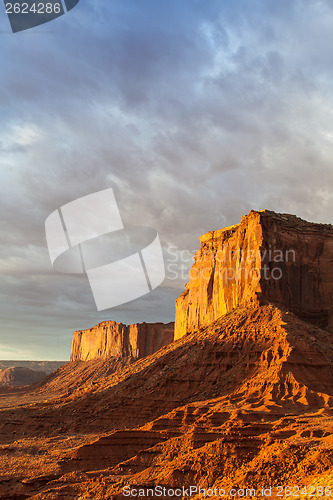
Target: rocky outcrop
(270, 257)
(20, 376)
(111, 339)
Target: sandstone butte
(268, 257)
(111, 339)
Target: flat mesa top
(217, 233)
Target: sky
(193, 111)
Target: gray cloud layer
(193, 111)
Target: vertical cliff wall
(111, 339)
(267, 257)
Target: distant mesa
(268, 257)
(110, 339)
(20, 376)
(43, 366)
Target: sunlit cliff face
(267, 257)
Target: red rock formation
(111, 339)
(267, 257)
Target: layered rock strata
(111, 339)
(267, 257)
(20, 376)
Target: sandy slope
(246, 402)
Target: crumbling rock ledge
(268, 257)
